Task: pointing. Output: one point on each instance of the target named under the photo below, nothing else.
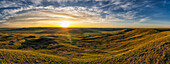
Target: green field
(84, 45)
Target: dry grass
(123, 46)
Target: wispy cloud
(144, 19)
(101, 11)
(128, 15)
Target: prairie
(85, 45)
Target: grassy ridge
(50, 45)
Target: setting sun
(65, 24)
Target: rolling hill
(85, 45)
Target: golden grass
(126, 46)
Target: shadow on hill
(46, 32)
(80, 31)
(161, 30)
(5, 38)
(41, 43)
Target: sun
(65, 24)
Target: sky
(85, 13)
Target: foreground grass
(20, 56)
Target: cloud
(128, 15)
(37, 2)
(126, 5)
(70, 10)
(60, 14)
(144, 19)
(77, 13)
(50, 13)
(8, 4)
(117, 2)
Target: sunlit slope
(154, 51)
(20, 56)
(92, 46)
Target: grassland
(84, 46)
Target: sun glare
(65, 24)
